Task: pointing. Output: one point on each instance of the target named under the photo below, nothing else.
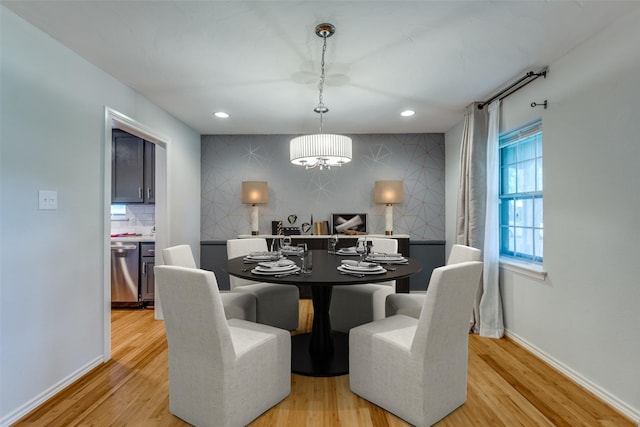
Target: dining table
(322, 352)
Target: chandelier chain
(321, 108)
(321, 151)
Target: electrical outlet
(47, 200)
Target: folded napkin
(349, 250)
(388, 259)
(262, 253)
(279, 263)
(359, 264)
(383, 254)
(292, 250)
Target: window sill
(527, 269)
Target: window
(521, 221)
(118, 210)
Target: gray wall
(53, 263)
(585, 316)
(416, 159)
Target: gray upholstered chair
(411, 304)
(417, 368)
(276, 305)
(236, 305)
(221, 372)
(354, 305)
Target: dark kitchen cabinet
(132, 169)
(147, 262)
(149, 172)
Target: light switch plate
(47, 200)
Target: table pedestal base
(320, 365)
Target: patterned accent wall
(416, 159)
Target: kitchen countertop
(323, 236)
(141, 238)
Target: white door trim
(113, 118)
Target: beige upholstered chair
(411, 304)
(276, 305)
(417, 368)
(236, 305)
(354, 305)
(221, 372)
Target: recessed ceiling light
(221, 114)
(407, 113)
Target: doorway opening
(114, 119)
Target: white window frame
(510, 251)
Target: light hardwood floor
(508, 386)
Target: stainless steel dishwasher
(124, 273)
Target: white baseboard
(47, 394)
(603, 394)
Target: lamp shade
(323, 149)
(388, 192)
(255, 192)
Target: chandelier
(321, 150)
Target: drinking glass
(361, 248)
(333, 241)
(276, 247)
(306, 262)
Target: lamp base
(255, 233)
(388, 219)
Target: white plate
(257, 258)
(276, 269)
(346, 270)
(387, 258)
(344, 251)
(271, 272)
(365, 264)
(359, 268)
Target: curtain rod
(522, 82)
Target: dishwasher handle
(123, 248)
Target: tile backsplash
(139, 219)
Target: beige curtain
(472, 188)
(491, 317)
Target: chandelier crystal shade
(321, 150)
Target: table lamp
(388, 192)
(254, 193)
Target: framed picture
(348, 223)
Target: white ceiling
(260, 60)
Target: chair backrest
(462, 253)
(197, 330)
(384, 245)
(180, 255)
(443, 327)
(242, 247)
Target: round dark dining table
(322, 352)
